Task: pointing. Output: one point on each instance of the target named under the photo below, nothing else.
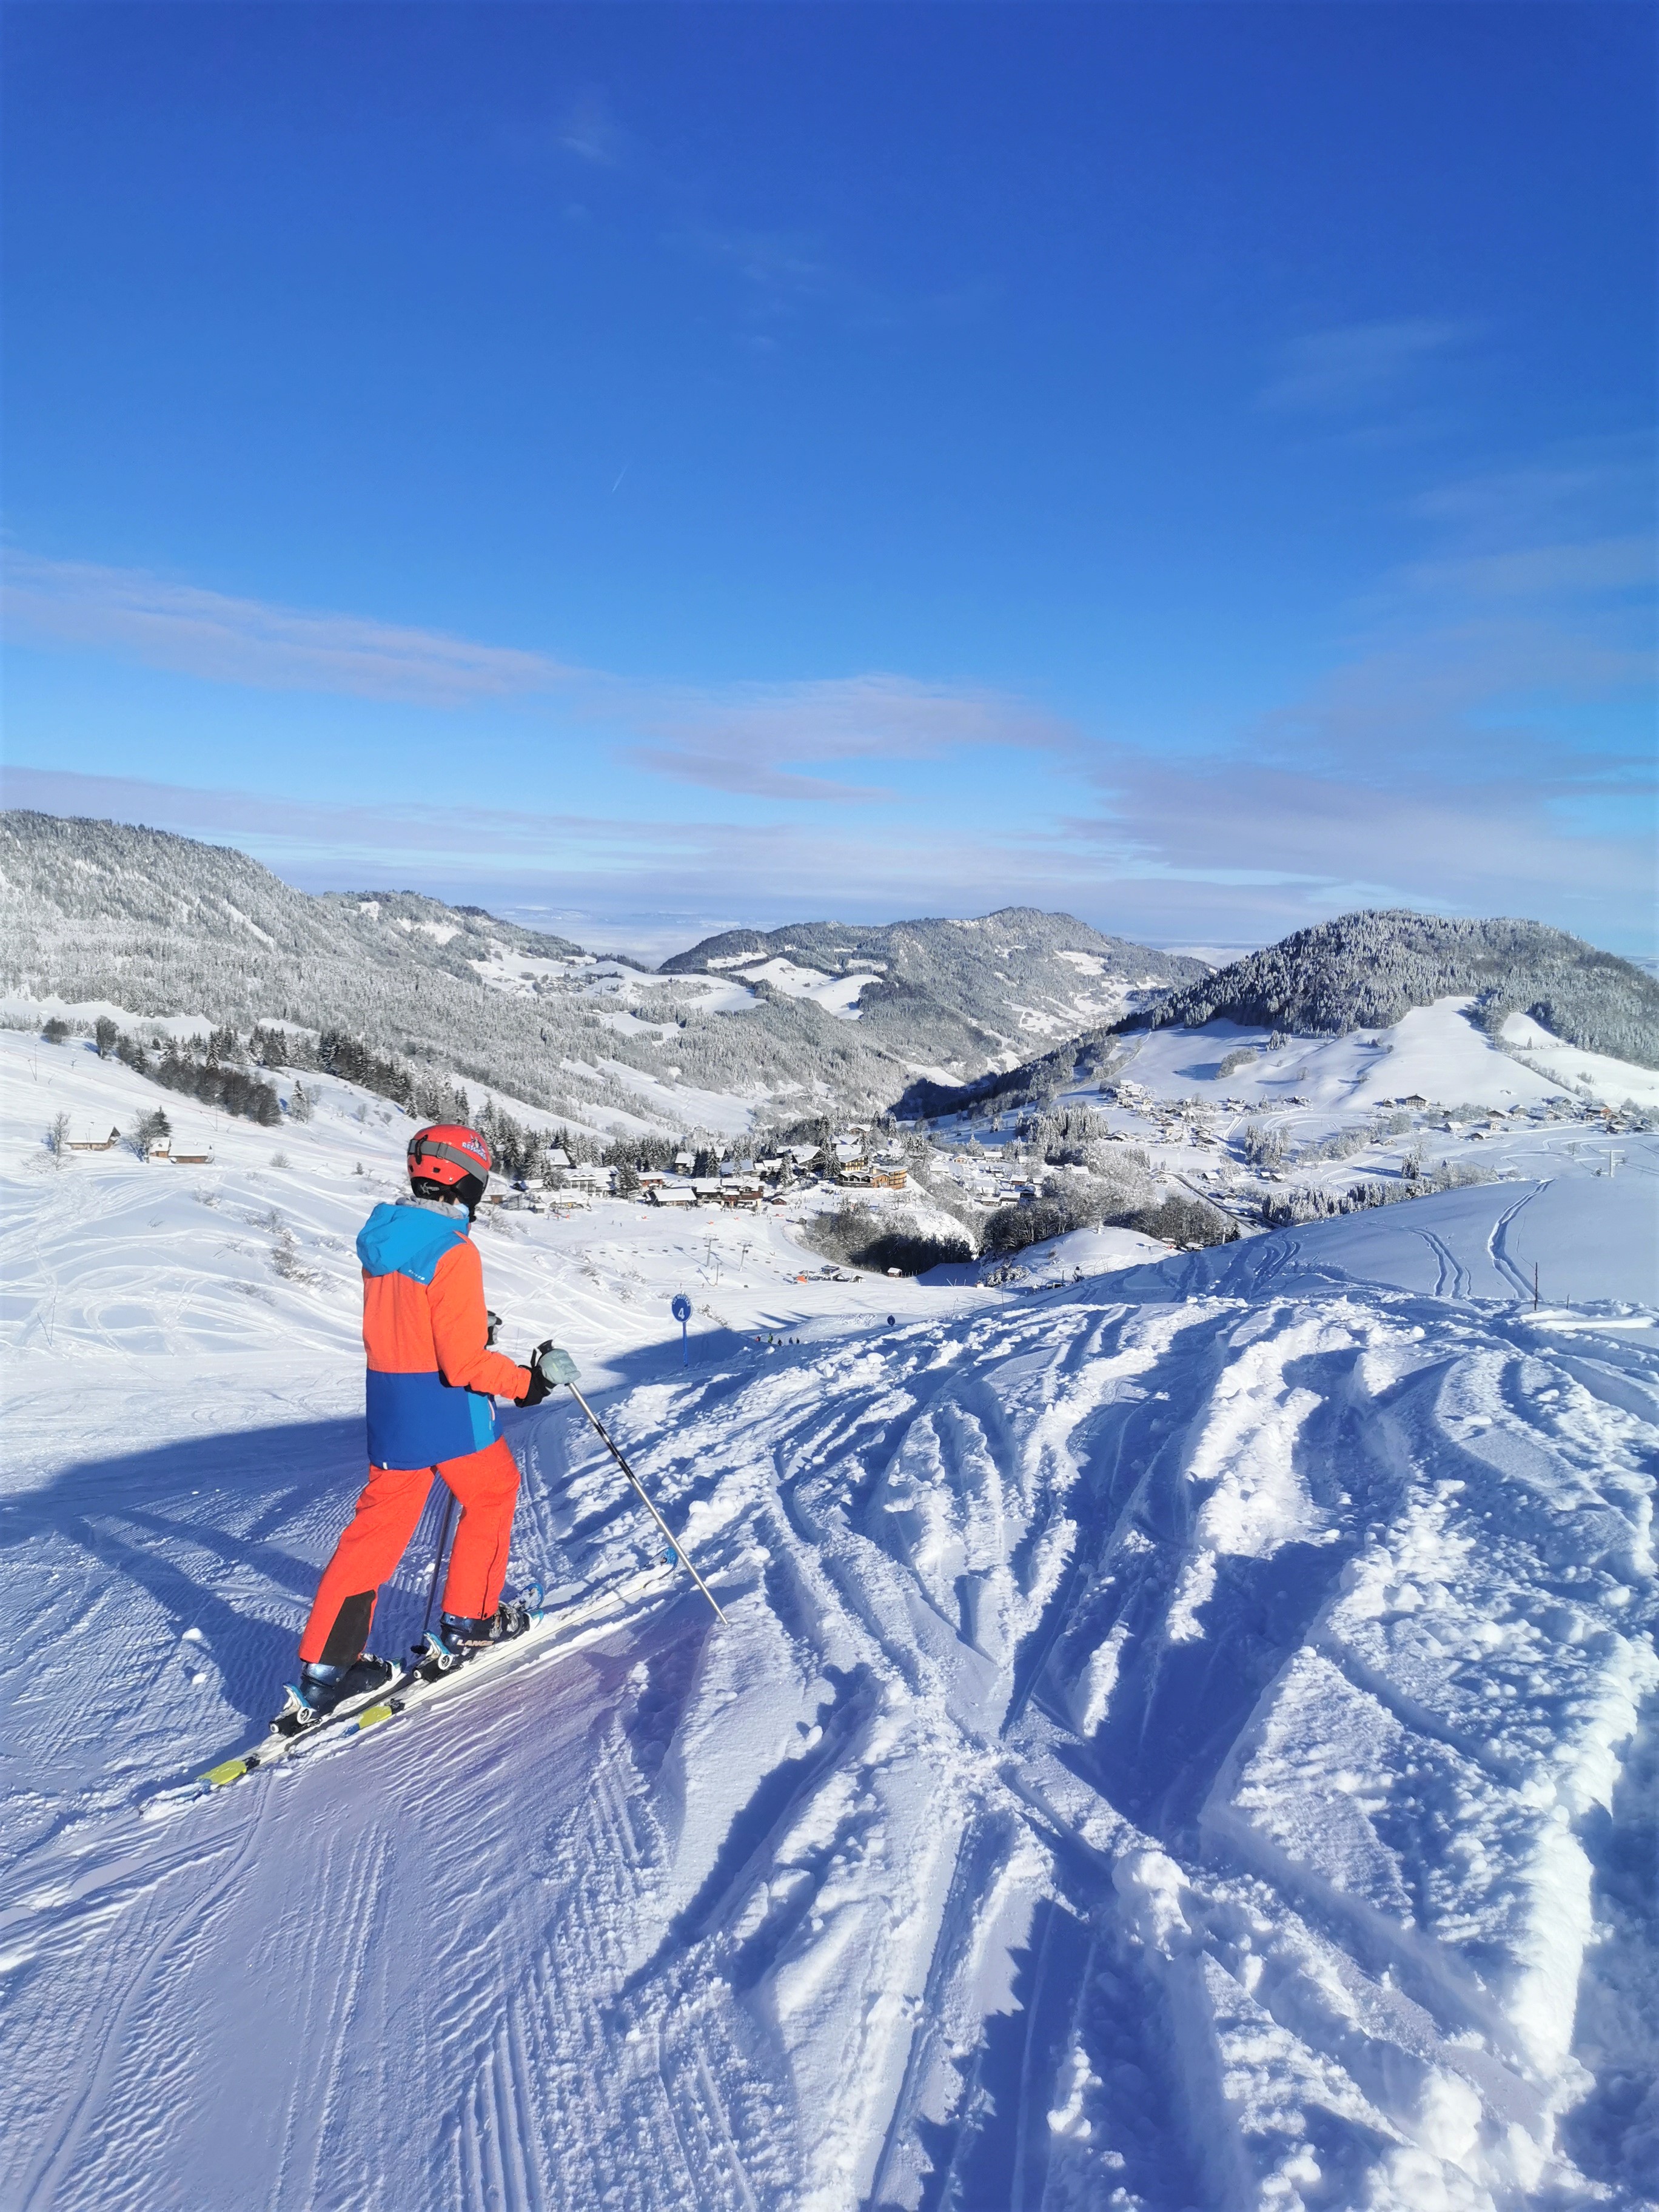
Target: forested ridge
(158, 924)
(949, 992)
(1366, 970)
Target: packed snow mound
(1169, 1750)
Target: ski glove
(557, 1367)
(548, 1366)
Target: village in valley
(1162, 1143)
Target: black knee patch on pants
(349, 1633)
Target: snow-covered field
(837, 994)
(1432, 1096)
(1182, 1740)
(1434, 1050)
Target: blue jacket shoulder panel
(406, 1240)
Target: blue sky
(651, 468)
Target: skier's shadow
(184, 1523)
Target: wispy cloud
(757, 739)
(1529, 610)
(340, 830)
(223, 640)
(1470, 845)
(1462, 754)
(1580, 490)
(1358, 366)
(604, 864)
(1576, 525)
(1470, 751)
(1444, 697)
(762, 740)
(786, 274)
(778, 263)
(1186, 848)
(774, 273)
(590, 131)
(1535, 572)
(749, 778)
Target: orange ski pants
(486, 1485)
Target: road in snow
(1185, 1740)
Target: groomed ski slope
(1185, 1741)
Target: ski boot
(458, 1636)
(320, 1688)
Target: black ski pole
(679, 1548)
(438, 1562)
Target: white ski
(563, 1628)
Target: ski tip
(229, 1770)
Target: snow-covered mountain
(1516, 980)
(101, 915)
(952, 994)
(1365, 971)
(1184, 1740)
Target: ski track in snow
(1160, 1756)
(1186, 1745)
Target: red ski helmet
(455, 1159)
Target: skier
(431, 1378)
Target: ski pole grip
(556, 1365)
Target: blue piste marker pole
(681, 1309)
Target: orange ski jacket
(431, 1373)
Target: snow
(1616, 1081)
(1433, 1050)
(1057, 1260)
(1182, 1740)
(1592, 1238)
(713, 994)
(25, 1016)
(705, 1109)
(635, 993)
(837, 994)
(1433, 1099)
